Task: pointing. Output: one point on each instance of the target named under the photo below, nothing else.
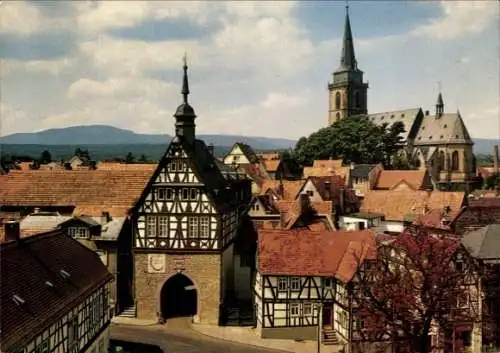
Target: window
(173, 166)
(255, 207)
(150, 226)
(193, 227)
(359, 323)
(193, 194)
(169, 194)
(78, 232)
(73, 338)
(309, 193)
(441, 160)
(204, 227)
(185, 194)
(327, 283)
(163, 226)
(164, 194)
(43, 347)
(337, 100)
(357, 100)
(454, 161)
(294, 310)
(462, 300)
(295, 283)
(282, 284)
(459, 266)
(103, 255)
(307, 309)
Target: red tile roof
(416, 179)
(271, 165)
(26, 265)
(327, 163)
(256, 172)
(398, 204)
(112, 190)
(126, 166)
(290, 189)
(312, 253)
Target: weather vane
(347, 4)
(184, 59)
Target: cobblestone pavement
(179, 340)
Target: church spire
(185, 82)
(439, 105)
(185, 115)
(347, 58)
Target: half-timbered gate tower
(186, 221)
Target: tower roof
(439, 101)
(185, 110)
(347, 58)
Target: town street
(175, 340)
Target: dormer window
(78, 232)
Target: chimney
(426, 113)
(12, 230)
(105, 217)
(496, 160)
(328, 190)
(211, 149)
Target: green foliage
(129, 158)
(290, 161)
(143, 158)
(84, 154)
(492, 182)
(355, 140)
(484, 160)
(45, 157)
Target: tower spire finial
(185, 82)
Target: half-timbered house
(54, 295)
(186, 223)
(301, 279)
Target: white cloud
(460, 18)
(19, 17)
(54, 67)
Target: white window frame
(295, 283)
(150, 226)
(204, 227)
(307, 309)
(43, 347)
(294, 309)
(282, 284)
(193, 227)
(78, 232)
(163, 228)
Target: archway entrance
(178, 297)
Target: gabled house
(240, 153)
(479, 212)
(328, 167)
(274, 164)
(401, 207)
(185, 224)
(363, 177)
(413, 179)
(301, 279)
(54, 295)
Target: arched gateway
(178, 297)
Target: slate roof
(115, 191)
(313, 253)
(484, 243)
(447, 129)
(361, 170)
(397, 204)
(407, 117)
(38, 259)
(416, 179)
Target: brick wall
(203, 270)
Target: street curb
(133, 324)
(239, 342)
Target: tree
(45, 157)
(129, 158)
(492, 181)
(143, 158)
(415, 283)
(356, 139)
(83, 154)
(291, 162)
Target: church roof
(407, 117)
(446, 129)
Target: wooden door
(327, 315)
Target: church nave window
(150, 226)
(163, 226)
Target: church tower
(347, 92)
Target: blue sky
(256, 68)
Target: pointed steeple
(185, 115)
(347, 58)
(439, 106)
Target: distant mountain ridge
(110, 135)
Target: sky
(255, 68)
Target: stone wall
(203, 269)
